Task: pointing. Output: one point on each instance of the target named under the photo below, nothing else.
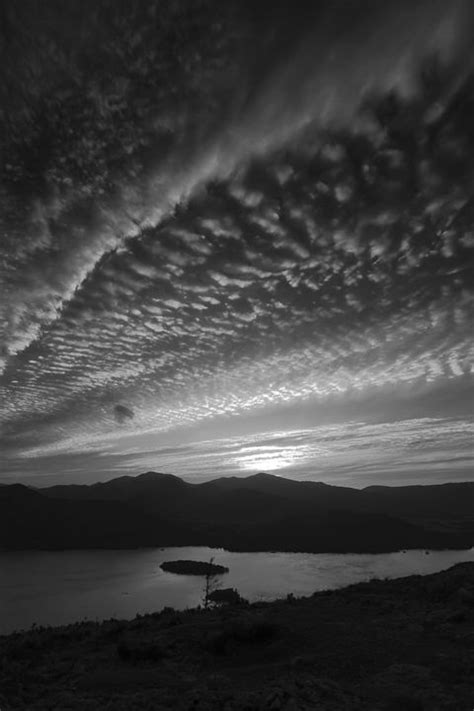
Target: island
(193, 567)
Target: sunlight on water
(54, 588)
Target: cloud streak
(348, 454)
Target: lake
(56, 588)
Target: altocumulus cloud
(282, 231)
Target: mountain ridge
(258, 512)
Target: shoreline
(371, 576)
(387, 551)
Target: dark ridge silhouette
(255, 513)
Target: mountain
(121, 489)
(443, 507)
(169, 496)
(316, 493)
(440, 506)
(28, 519)
(259, 512)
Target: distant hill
(259, 512)
(31, 520)
(441, 506)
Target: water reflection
(53, 588)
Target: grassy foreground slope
(405, 644)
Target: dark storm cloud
(200, 230)
(122, 413)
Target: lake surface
(56, 588)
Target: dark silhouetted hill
(260, 512)
(28, 519)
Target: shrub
(133, 652)
(226, 596)
(242, 632)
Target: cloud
(226, 252)
(122, 413)
(124, 161)
(353, 453)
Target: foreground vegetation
(377, 646)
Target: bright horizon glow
(355, 453)
(266, 464)
(271, 457)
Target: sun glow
(270, 458)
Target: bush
(226, 596)
(133, 652)
(242, 632)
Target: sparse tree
(212, 584)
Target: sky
(236, 240)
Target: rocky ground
(405, 644)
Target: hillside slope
(404, 645)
